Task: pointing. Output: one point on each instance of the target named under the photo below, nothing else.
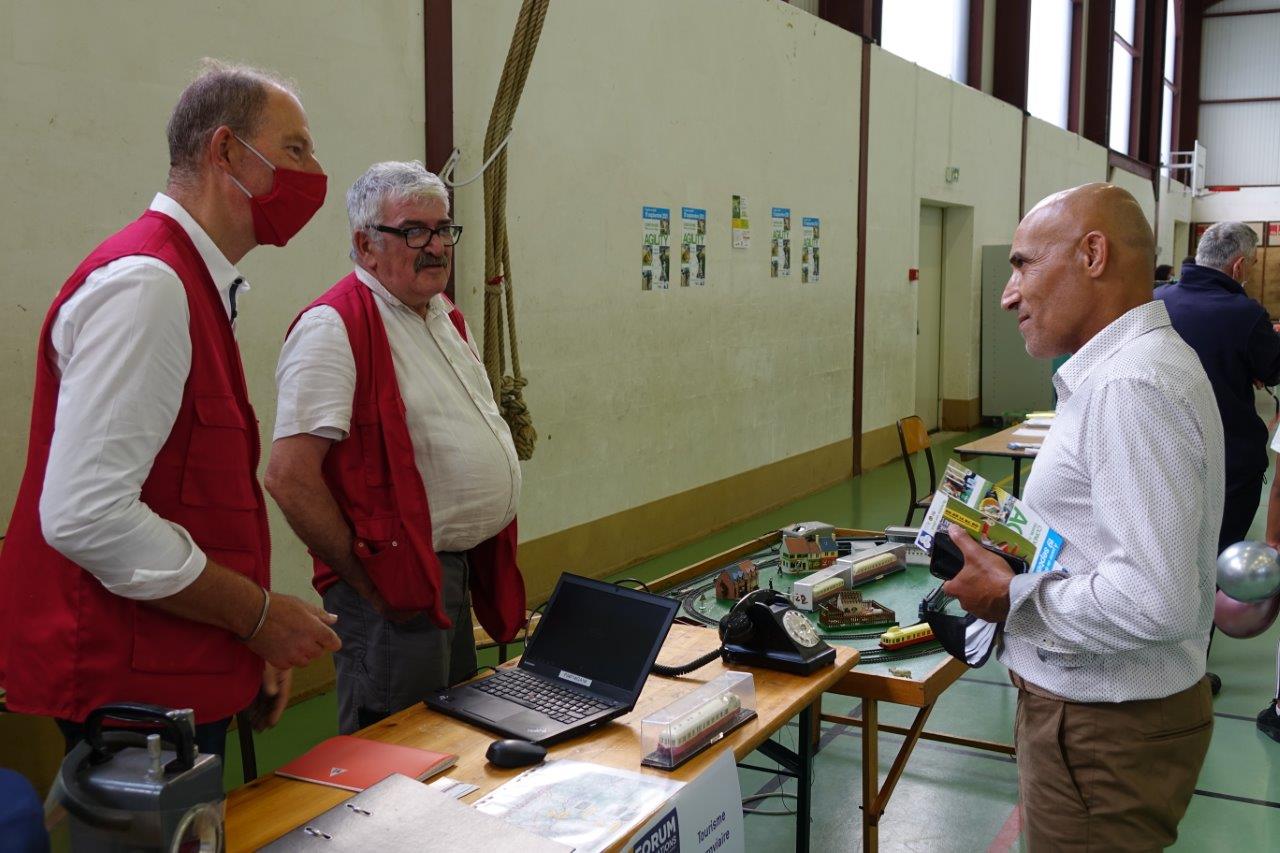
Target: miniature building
(737, 580)
(848, 608)
(807, 547)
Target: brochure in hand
(992, 516)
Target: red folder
(356, 763)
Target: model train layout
(820, 582)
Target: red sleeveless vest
(375, 480)
(66, 644)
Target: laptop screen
(597, 634)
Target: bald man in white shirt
(1108, 654)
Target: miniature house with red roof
(807, 547)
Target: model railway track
(886, 656)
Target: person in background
(384, 405)
(1108, 654)
(1240, 350)
(1164, 273)
(137, 560)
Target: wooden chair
(913, 437)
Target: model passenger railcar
(698, 727)
(898, 637)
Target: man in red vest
(136, 566)
(382, 401)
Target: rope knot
(516, 414)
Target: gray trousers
(383, 666)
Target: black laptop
(585, 664)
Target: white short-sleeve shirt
(461, 444)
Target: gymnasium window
(931, 33)
(1125, 53)
(1049, 61)
(1172, 45)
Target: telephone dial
(763, 629)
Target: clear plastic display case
(681, 730)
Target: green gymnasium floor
(950, 798)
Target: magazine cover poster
(655, 262)
(693, 244)
(809, 258)
(780, 244)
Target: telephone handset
(763, 629)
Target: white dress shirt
(461, 444)
(123, 352)
(1131, 474)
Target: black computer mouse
(515, 753)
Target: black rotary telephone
(763, 629)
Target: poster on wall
(810, 260)
(741, 223)
(1273, 233)
(655, 260)
(780, 248)
(693, 247)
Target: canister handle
(177, 729)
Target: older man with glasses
(383, 401)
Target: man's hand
(295, 479)
(353, 572)
(982, 585)
(295, 633)
(272, 698)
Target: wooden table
(997, 444)
(267, 808)
(871, 684)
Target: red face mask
(294, 198)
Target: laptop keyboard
(558, 703)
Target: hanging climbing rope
(499, 303)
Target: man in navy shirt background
(1239, 349)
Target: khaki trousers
(1108, 776)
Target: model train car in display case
(688, 725)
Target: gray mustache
(423, 261)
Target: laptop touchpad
(498, 711)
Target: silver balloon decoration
(1249, 571)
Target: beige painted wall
(921, 124)
(1247, 204)
(640, 395)
(1058, 160)
(1176, 202)
(84, 151)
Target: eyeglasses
(418, 237)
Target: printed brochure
(991, 515)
